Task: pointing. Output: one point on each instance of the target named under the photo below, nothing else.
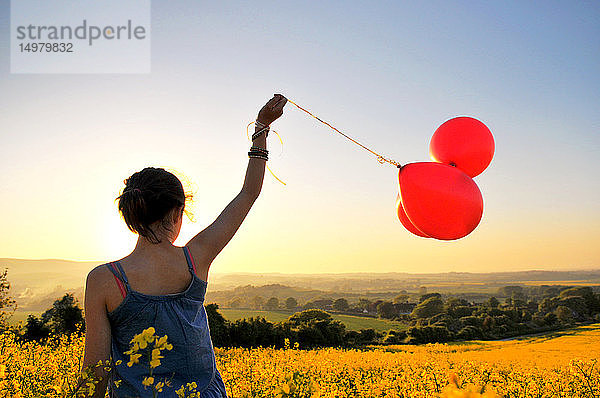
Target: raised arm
(206, 245)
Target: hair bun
(148, 198)
(132, 191)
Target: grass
(351, 322)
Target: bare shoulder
(99, 273)
(201, 256)
(98, 279)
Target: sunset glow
(69, 141)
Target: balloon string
(380, 158)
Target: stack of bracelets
(257, 152)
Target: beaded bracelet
(257, 155)
(262, 128)
(259, 149)
(259, 133)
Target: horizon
(217, 273)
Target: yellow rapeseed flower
(142, 339)
(162, 344)
(159, 386)
(148, 381)
(155, 361)
(527, 368)
(91, 387)
(133, 358)
(134, 348)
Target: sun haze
(387, 74)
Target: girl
(161, 285)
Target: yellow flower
(156, 354)
(134, 358)
(135, 348)
(91, 387)
(148, 334)
(159, 386)
(162, 344)
(148, 381)
(54, 389)
(142, 339)
(523, 368)
(155, 361)
(143, 344)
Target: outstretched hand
(272, 110)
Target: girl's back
(181, 317)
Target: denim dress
(180, 316)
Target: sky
(386, 73)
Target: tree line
(433, 318)
(524, 311)
(380, 308)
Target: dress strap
(122, 273)
(119, 277)
(189, 259)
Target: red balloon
(463, 142)
(440, 201)
(405, 221)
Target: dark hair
(149, 196)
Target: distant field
(351, 322)
(22, 315)
(563, 283)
